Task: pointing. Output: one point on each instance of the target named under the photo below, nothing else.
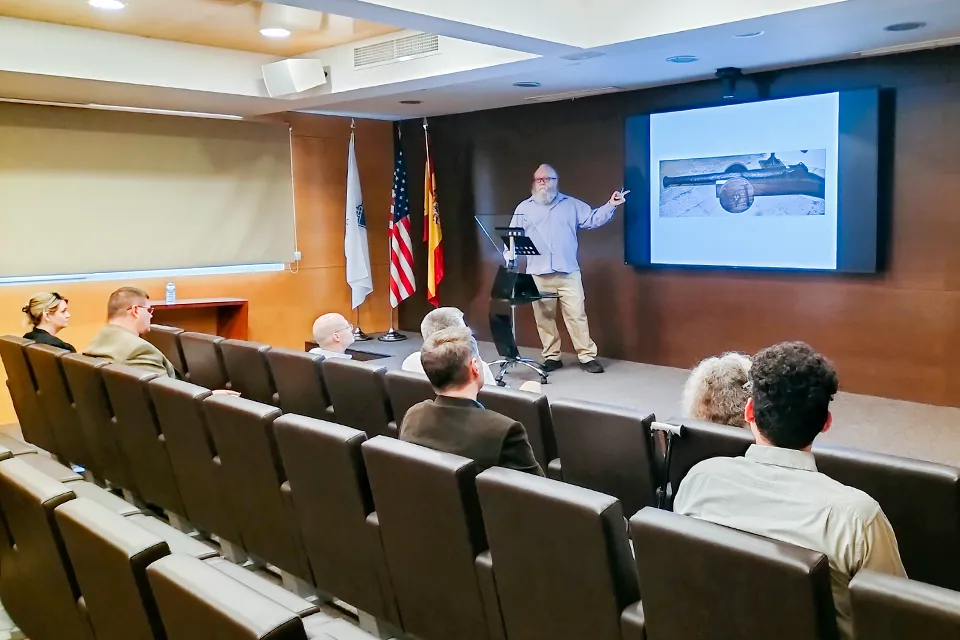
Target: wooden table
(225, 317)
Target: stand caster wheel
(543, 379)
(501, 383)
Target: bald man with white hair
(437, 320)
(334, 335)
(551, 219)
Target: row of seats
(313, 509)
(77, 568)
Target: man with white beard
(551, 220)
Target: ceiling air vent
(573, 95)
(396, 50)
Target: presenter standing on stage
(551, 220)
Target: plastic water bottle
(171, 293)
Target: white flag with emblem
(355, 247)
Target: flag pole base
(359, 335)
(392, 336)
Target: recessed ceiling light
(108, 5)
(275, 32)
(750, 34)
(905, 26)
(527, 84)
(682, 59)
(411, 102)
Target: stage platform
(889, 426)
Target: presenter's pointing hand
(618, 198)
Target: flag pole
(358, 334)
(392, 335)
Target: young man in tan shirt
(776, 491)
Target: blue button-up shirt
(553, 229)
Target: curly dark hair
(792, 389)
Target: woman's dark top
(41, 336)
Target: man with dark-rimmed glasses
(128, 318)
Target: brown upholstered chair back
(921, 500)
(247, 370)
(432, 533)
(406, 389)
(607, 449)
(196, 600)
(23, 392)
(298, 376)
(702, 440)
(324, 465)
(93, 408)
(892, 608)
(359, 395)
(56, 403)
(702, 580)
(37, 583)
(193, 455)
(110, 556)
(561, 556)
(257, 490)
(167, 339)
(203, 359)
(140, 437)
(529, 409)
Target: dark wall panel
(893, 334)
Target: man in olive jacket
(455, 422)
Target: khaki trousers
(569, 286)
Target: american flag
(402, 282)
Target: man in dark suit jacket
(455, 422)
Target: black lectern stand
(512, 288)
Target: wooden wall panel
(283, 305)
(894, 334)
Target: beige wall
(283, 305)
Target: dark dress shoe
(591, 367)
(551, 365)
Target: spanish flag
(432, 233)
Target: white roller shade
(85, 191)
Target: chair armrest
(390, 612)
(631, 623)
(488, 593)
(554, 470)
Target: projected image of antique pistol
(737, 187)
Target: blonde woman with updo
(47, 313)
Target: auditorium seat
(893, 608)
(532, 410)
(576, 585)
(195, 600)
(51, 468)
(110, 556)
(702, 440)
(359, 395)
(405, 389)
(701, 580)
(141, 440)
(37, 585)
(300, 384)
(920, 499)
(247, 370)
(57, 404)
(332, 498)
(194, 458)
(432, 533)
(23, 392)
(606, 449)
(167, 340)
(95, 414)
(203, 359)
(16, 446)
(257, 492)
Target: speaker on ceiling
(293, 75)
